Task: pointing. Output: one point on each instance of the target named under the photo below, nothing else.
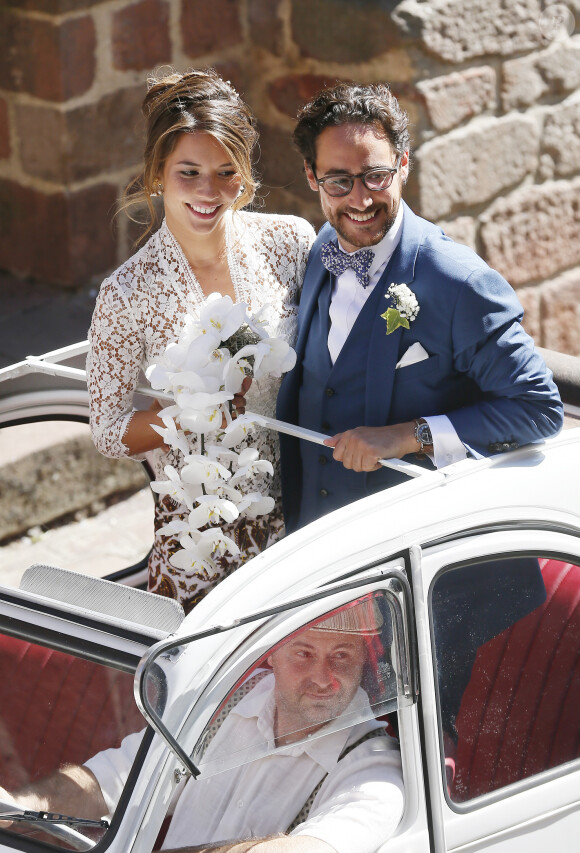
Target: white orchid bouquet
(201, 372)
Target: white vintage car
(86, 661)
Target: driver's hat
(362, 617)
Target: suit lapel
(383, 352)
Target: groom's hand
(360, 449)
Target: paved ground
(36, 318)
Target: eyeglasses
(374, 180)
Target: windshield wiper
(53, 817)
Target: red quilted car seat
(57, 709)
(519, 714)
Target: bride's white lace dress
(140, 309)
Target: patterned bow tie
(337, 262)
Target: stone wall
(492, 88)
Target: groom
(448, 372)
(407, 343)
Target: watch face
(424, 434)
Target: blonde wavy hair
(198, 100)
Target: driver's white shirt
(356, 809)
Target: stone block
(554, 71)
(5, 147)
(72, 468)
(472, 165)
(62, 63)
(53, 7)
(281, 165)
(62, 238)
(561, 141)
(462, 230)
(276, 200)
(530, 297)
(292, 91)
(456, 97)
(140, 35)
(534, 233)
(460, 30)
(210, 27)
(266, 25)
(84, 142)
(343, 30)
(235, 74)
(561, 313)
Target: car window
(58, 710)
(330, 674)
(64, 504)
(507, 642)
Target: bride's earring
(157, 189)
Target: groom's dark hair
(348, 103)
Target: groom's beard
(361, 234)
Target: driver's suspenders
(305, 810)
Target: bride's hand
(239, 401)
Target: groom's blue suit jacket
(482, 371)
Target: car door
(69, 648)
(61, 502)
(201, 678)
(500, 686)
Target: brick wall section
(492, 91)
(5, 148)
(140, 35)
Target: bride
(200, 137)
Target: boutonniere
(406, 307)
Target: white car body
(526, 501)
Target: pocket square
(414, 353)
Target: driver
(338, 792)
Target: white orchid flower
(234, 372)
(174, 528)
(212, 510)
(171, 435)
(234, 495)
(237, 431)
(202, 400)
(200, 351)
(220, 315)
(250, 464)
(256, 504)
(214, 541)
(202, 422)
(273, 358)
(199, 469)
(219, 453)
(259, 320)
(159, 374)
(173, 487)
(191, 562)
(189, 382)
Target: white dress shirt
(357, 808)
(346, 302)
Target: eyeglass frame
(321, 181)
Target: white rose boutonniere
(406, 307)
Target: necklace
(195, 291)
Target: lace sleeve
(113, 363)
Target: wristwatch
(423, 435)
